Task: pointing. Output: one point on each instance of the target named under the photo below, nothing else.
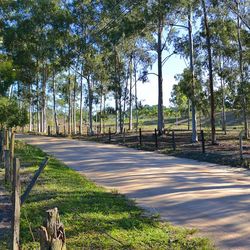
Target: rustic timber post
(48, 130)
(16, 189)
(52, 234)
(1, 146)
(241, 144)
(203, 142)
(109, 134)
(124, 135)
(80, 132)
(140, 137)
(6, 139)
(156, 139)
(173, 141)
(12, 149)
(64, 130)
(8, 173)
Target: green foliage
(7, 74)
(11, 115)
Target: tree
(210, 69)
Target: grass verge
(93, 217)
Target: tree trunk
(81, 99)
(136, 99)
(37, 104)
(191, 57)
(30, 109)
(125, 100)
(210, 68)
(120, 112)
(223, 113)
(160, 80)
(44, 119)
(130, 94)
(242, 84)
(90, 90)
(69, 104)
(54, 103)
(116, 115)
(104, 110)
(101, 118)
(74, 112)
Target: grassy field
(93, 217)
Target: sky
(148, 92)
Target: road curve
(212, 198)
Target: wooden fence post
(1, 146)
(156, 139)
(203, 142)
(16, 189)
(124, 135)
(140, 137)
(48, 130)
(109, 134)
(8, 173)
(12, 149)
(241, 144)
(6, 139)
(173, 141)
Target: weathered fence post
(241, 144)
(48, 130)
(16, 189)
(140, 137)
(12, 149)
(173, 140)
(124, 135)
(156, 139)
(64, 130)
(203, 142)
(6, 139)
(52, 234)
(1, 146)
(8, 173)
(80, 132)
(109, 134)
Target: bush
(11, 115)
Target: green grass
(93, 217)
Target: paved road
(212, 198)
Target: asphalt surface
(212, 198)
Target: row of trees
(66, 56)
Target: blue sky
(148, 92)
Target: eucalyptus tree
(210, 69)
(244, 90)
(160, 19)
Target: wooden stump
(52, 234)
